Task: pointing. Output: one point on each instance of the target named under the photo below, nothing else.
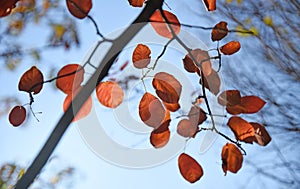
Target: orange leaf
(109, 94)
(17, 116)
(261, 134)
(160, 26)
(167, 87)
(7, 6)
(187, 128)
(252, 104)
(84, 110)
(210, 4)
(31, 81)
(160, 136)
(79, 8)
(212, 82)
(136, 3)
(202, 58)
(229, 97)
(235, 110)
(232, 158)
(241, 128)
(197, 115)
(70, 77)
(151, 110)
(141, 56)
(173, 107)
(189, 168)
(230, 48)
(219, 31)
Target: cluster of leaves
(155, 109)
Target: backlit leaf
(187, 128)
(232, 158)
(219, 31)
(167, 87)
(202, 57)
(173, 107)
(189, 168)
(110, 94)
(210, 5)
(212, 82)
(141, 56)
(229, 97)
(151, 110)
(160, 26)
(160, 136)
(70, 77)
(197, 115)
(230, 47)
(79, 8)
(7, 6)
(241, 128)
(85, 109)
(252, 104)
(17, 116)
(31, 81)
(136, 3)
(261, 134)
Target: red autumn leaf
(230, 48)
(210, 4)
(212, 82)
(167, 87)
(232, 158)
(219, 31)
(31, 81)
(229, 98)
(173, 107)
(235, 110)
(187, 128)
(241, 128)
(17, 116)
(160, 136)
(252, 104)
(85, 109)
(70, 77)
(141, 56)
(151, 110)
(261, 134)
(79, 8)
(7, 6)
(197, 115)
(202, 57)
(189, 168)
(109, 94)
(136, 3)
(160, 26)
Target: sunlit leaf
(230, 48)
(70, 77)
(197, 115)
(202, 57)
(79, 8)
(160, 136)
(241, 128)
(110, 94)
(173, 107)
(85, 109)
(136, 3)
(229, 97)
(31, 81)
(232, 158)
(151, 110)
(189, 168)
(210, 5)
(187, 128)
(212, 82)
(167, 87)
(261, 134)
(252, 104)
(17, 116)
(160, 26)
(141, 56)
(219, 31)
(7, 6)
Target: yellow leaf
(268, 20)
